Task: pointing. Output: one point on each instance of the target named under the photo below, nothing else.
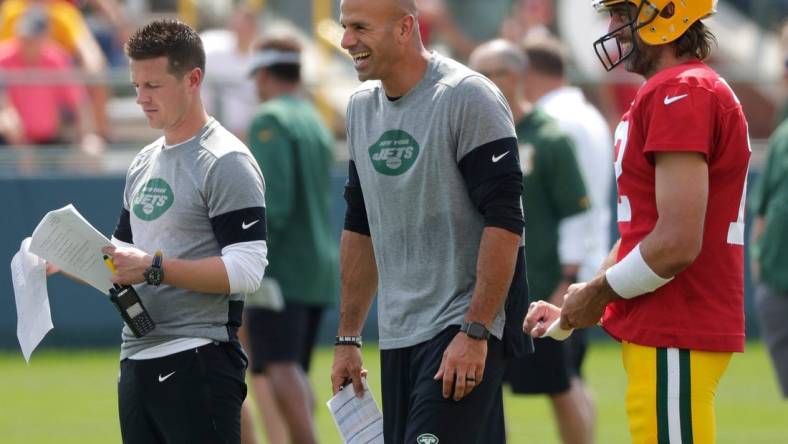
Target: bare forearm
(610, 260)
(359, 280)
(494, 271)
(207, 275)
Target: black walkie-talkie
(134, 314)
(130, 307)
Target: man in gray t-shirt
(434, 224)
(190, 240)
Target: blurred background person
(584, 238)
(68, 29)
(45, 93)
(528, 19)
(769, 247)
(294, 147)
(553, 190)
(229, 95)
(10, 123)
(769, 252)
(460, 25)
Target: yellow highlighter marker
(110, 264)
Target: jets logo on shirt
(152, 200)
(394, 153)
(427, 438)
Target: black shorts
(575, 348)
(282, 336)
(413, 404)
(546, 371)
(194, 396)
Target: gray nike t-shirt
(172, 195)
(424, 227)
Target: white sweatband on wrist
(633, 277)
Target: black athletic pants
(190, 397)
(414, 410)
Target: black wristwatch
(475, 330)
(154, 275)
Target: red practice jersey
(685, 108)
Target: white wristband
(633, 277)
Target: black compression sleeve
(123, 228)
(244, 225)
(495, 183)
(356, 212)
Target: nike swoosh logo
(246, 226)
(669, 100)
(495, 158)
(165, 377)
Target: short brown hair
(545, 55)
(288, 72)
(168, 38)
(696, 41)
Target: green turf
(69, 397)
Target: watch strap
(348, 340)
(475, 330)
(157, 259)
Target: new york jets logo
(394, 153)
(152, 200)
(427, 438)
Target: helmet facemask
(601, 45)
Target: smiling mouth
(360, 56)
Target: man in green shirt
(770, 251)
(553, 189)
(294, 147)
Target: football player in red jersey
(671, 289)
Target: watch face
(153, 276)
(477, 331)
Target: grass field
(68, 397)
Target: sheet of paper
(556, 332)
(66, 239)
(34, 320)
(358, 419)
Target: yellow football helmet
(657, 22)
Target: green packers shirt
(553, 189)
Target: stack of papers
(67, 240)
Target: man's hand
(347, 367)
(539, 318)
(462, 366)
(585, 303)
(52, 268)
(130, 264)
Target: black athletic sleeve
(244, 225)
(495, 183)
(123, 227)
(356, 212)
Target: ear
(406, 27)
(195, 77)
